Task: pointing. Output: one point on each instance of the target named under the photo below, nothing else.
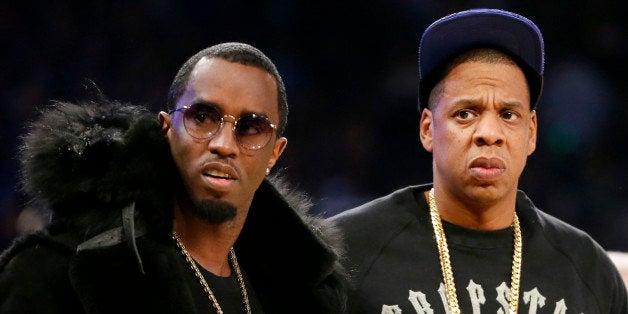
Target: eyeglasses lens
(251, 130)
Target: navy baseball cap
(502, 30)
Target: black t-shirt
(393, 257)
(226, 290)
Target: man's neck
(207, 243)
(495, 215)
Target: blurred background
(350, 69)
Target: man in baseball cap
(471, 241)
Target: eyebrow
(477, 102)
(512, 104)
(198, 101)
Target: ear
(426, 129)
(165, 120)
(280, 145)
(533, 130)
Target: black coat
(99, 163)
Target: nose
(224, 142)
(489, 131)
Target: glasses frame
(233, 121)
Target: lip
(487, 168)
(219, 176)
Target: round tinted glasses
(252, 131)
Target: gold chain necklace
(200, 277)
(448, 275)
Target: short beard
(215, 211)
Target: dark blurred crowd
(350, 69)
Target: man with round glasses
(177, 215)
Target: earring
(267, 171)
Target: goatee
(215, 211)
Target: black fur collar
(87, 161)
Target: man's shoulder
(371, 207)
(384, 206)
(35, 258)
(589, 259)
(35, 276)
(553, 228)
(579, 248)
(34, 246)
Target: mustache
(218, 159)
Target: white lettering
(535, 299)
(476, 294)
(391, 309)
(443, 298)
(419, 302)
(503, 297)
(561, 307)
